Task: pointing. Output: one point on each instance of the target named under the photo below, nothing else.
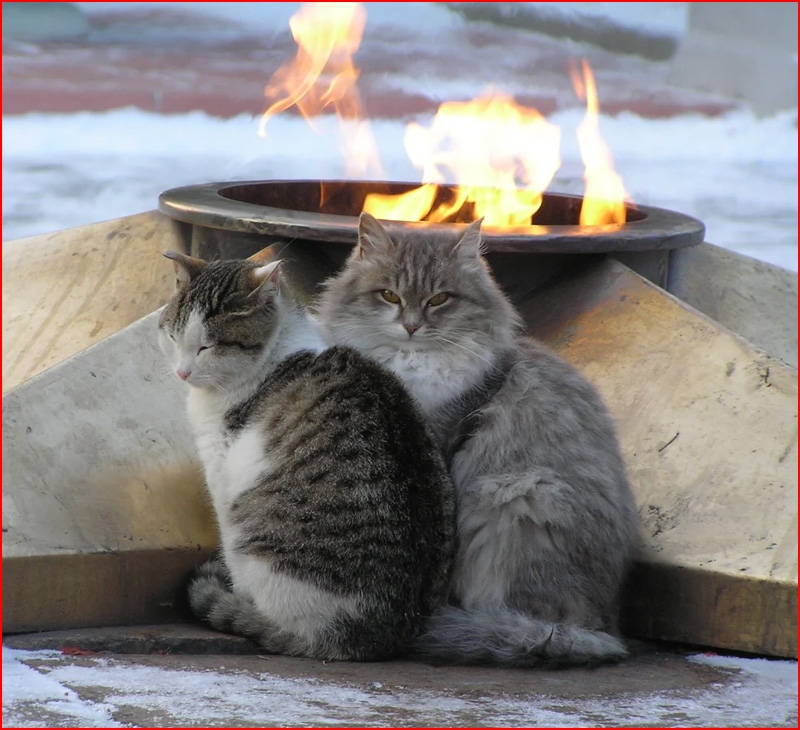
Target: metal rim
(204, 205)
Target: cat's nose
(411, 328)
(182, 374)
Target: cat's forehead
(221, 286)
(184, 322)
(418, 262)
(217, 289)
(194, 325)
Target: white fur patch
(433, 370)
(206, 411)
(303, 335)
(246, 461)
(188, 343)
(294, 604)
(232, 465)
(431, 376)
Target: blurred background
(105, 105)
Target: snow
(668, 19)
(662, 18)
(756, 692)
(246, 18)
(737, 173)
(24, 686)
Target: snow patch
(759, 692)
(737, 173)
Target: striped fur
(335, 508)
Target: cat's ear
(372, 236)
(265, 280)
(470, 244)
(186, 268)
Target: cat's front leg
(528, 539)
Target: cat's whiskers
(167, 371)
(222, 389)
(466, 349)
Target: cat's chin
(192, 385)
(390, 349)
(200, 383)
(413, 345)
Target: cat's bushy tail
(503, 636)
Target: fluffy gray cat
(546, 518)
(335, 509)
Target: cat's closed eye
(204, 347)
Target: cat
(545, 514)
(335, 509)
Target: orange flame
(501, 155)
(604, 197)
(323, 75)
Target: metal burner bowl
(316, 223)
(328, 211)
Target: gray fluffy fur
(546, 517)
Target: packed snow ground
(759, 693)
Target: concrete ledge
(181, 638)
(65, 291)
(96, 588)
(708, 427)
(104, 508)
(755, 300)
(695, 605)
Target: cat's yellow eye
(438, 299)
(390, 296)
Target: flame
(501, 155)
(604, 197)
(323, 75)
(410, 206)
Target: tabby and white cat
(546, 518)
(335, 509)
